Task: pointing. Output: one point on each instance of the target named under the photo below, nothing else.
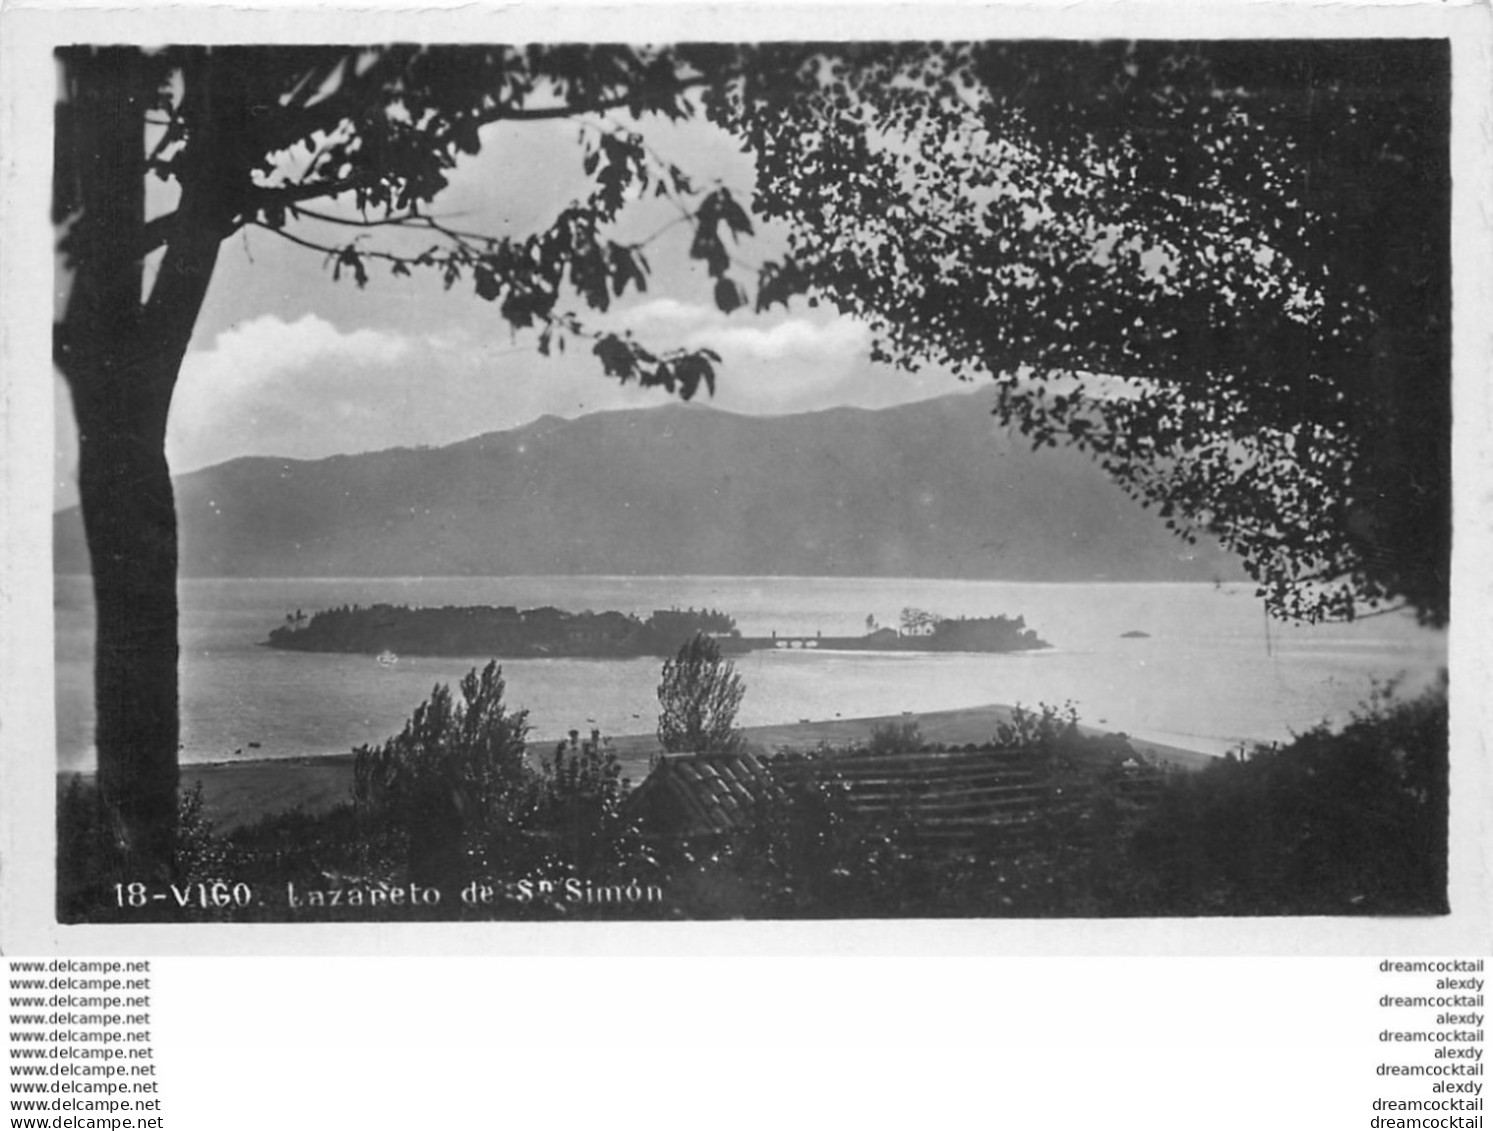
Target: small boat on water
(387, 658)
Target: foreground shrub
(1331, 824)
(455, 782)
(894, 737)
(93, 878)
(579, 817)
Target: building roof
(701, 794)
(954, 796)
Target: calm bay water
(1212, 673)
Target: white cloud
(840, 340)
(744, 337)
(796, 364)
(667, 312)
(273, 387)
(770, 363)
(266, 348)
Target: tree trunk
(121, 354)
(121, 398)
(129, 517)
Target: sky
(285, 361)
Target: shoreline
(243, 790)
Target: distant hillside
(932, 489)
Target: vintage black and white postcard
(1011, 477)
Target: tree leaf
(728, 296)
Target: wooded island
(508, 632)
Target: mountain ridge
(928, 489)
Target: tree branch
(323, 248)
(1401, 607)
(565, 110)
(155, 233)
(410, 221)
(403, 220)
(294, 193)
(350, 102)
(354, 97)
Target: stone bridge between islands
(795, 641)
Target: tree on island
(699, 694)
(917, 622)
(1222, 268)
